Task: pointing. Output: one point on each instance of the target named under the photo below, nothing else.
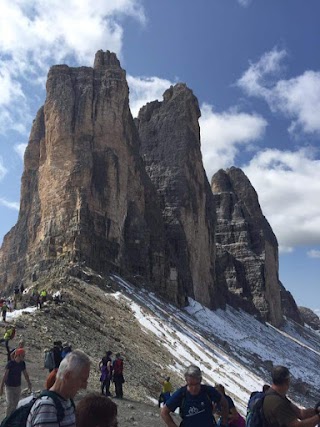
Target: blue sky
(253, 64)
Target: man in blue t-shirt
(195, 401)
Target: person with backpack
(118, 377)
(234, 418)
(8, 335)
(106, 368)
(196, 402)
(11, 380)
(255, 396)
(4, 310)
(165, 392)
(278, 410)
(72, 375)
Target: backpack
(255, 416)
(18, 418)
(184, 394)
(118, 367)
(49, 360)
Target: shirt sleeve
(175, 400)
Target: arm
(4, 379)
(224, 410)
(303, 413)
(165, 415)
(26, 375)
(308, 422)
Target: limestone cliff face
(85, 194)
(247, 249)
(170, 147)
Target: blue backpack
(18, 418)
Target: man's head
(280, 376)
(95, 410)
(73, 373)
(193, 379)
(19, 354)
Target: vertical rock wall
(170, 147)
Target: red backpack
(118, 366)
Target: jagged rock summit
(132, 197)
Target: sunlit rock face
(85, 194)
(170, 147)
(247, 249)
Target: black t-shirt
(14, 376)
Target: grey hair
(73, 362)
(194, 372)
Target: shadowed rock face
(247, 249)
(85, 194)
(170, 147)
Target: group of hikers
(111, 370)
(198, 403)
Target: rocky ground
(92, 319)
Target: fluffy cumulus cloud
(297, 98)
(145, 89)
(288, 184)
(35, 34)
(224, 134)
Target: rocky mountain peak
(106, 59)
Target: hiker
(254, 397)
(234, 418)
(118, 377)
(12, 380)
(20, 345)
(16, 296)
(165, 392)
(8, 335)
(95, 410)
(72, 376)
(279, 411)
(66, 348)
(4, 310)
(43, 296)
(196, 402)
(57, 353)
(105, 367)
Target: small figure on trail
(278, 410)
(43, 296)
(8, 335)
(21, 288)
(95, 410)
(12, 380)
(165, 392)
(118, 377)
(105, 366)
(16, 296)
(4, 310)
(196, 402)
(234, 418)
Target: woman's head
(96, 410)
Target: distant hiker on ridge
(118, 378)
(105, 367)
(196, 402)
(165, 392)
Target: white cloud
(244, 3)
(11, 205)
(223, 135)
(3, 169)
(313, 253)
(288, 185)
(36, 34)
(20, 149)
(145, 89)
(296, 98)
